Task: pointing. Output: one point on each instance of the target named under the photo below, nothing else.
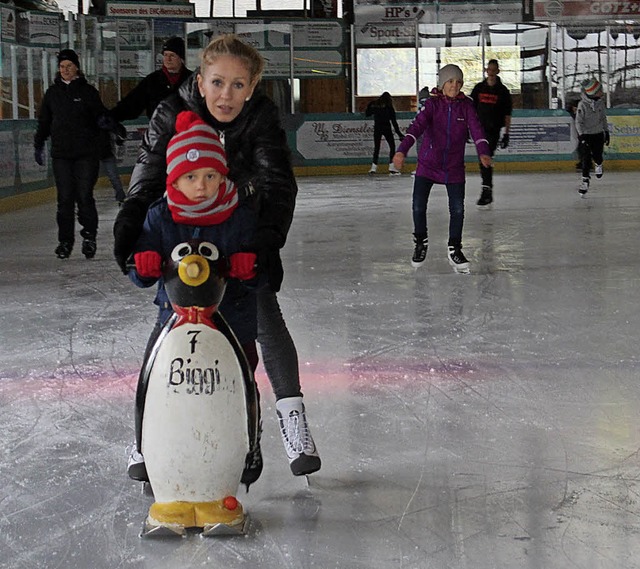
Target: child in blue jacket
(445, 122)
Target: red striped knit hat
(196, 145)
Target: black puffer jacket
(258, 159)
(69, 114)
(147, 94)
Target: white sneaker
(584, 187)
(598, 170)
(296, 436)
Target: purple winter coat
(445, 125)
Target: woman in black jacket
(69, 113)
(223, 92)
(384, 117)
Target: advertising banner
(580, 10)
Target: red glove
(148, 264)
(243, 266)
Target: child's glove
(38, 154)
(243, 266)
(148, 264)
(505, 140)
(607, 138)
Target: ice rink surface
(478, 421)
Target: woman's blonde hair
(231, 44)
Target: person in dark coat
(223, 92)
(69, 114)
(494, 106)
(147, 94)
(384, 117)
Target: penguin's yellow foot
(227, 511)
(172, 513)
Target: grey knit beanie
(449, 72)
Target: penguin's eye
(180, 251)
(208, 251)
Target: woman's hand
(398, 160)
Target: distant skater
(494, 106)
(593, 131)
(384, 117)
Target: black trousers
(591, 149)
(493, 138)
(378, 133)
(75, 180)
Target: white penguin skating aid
(197, 405)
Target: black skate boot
(420, 251)
(486, 198)
(63, 250)
(136, 468)
(457, 259)
(89, 245)
(252, 466)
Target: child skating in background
(593, 131)
(200, 202)
(445, 122)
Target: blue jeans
(111, 170)
(75, 180)
(421, 190)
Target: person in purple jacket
(445, 122)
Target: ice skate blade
(417, 265)
(214, 530)
(147, 490)
(485, 206)
(462, 270)
(164, 530)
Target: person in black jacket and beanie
(384, 117)
(223, 93)
(494, 106)
(70, 114)
(147, 94)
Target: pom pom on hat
(176, 45)
(591, 87)
(449, 72)
(68, 55)
(195, 145)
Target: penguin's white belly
(195, 431)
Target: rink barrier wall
(340, 144)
